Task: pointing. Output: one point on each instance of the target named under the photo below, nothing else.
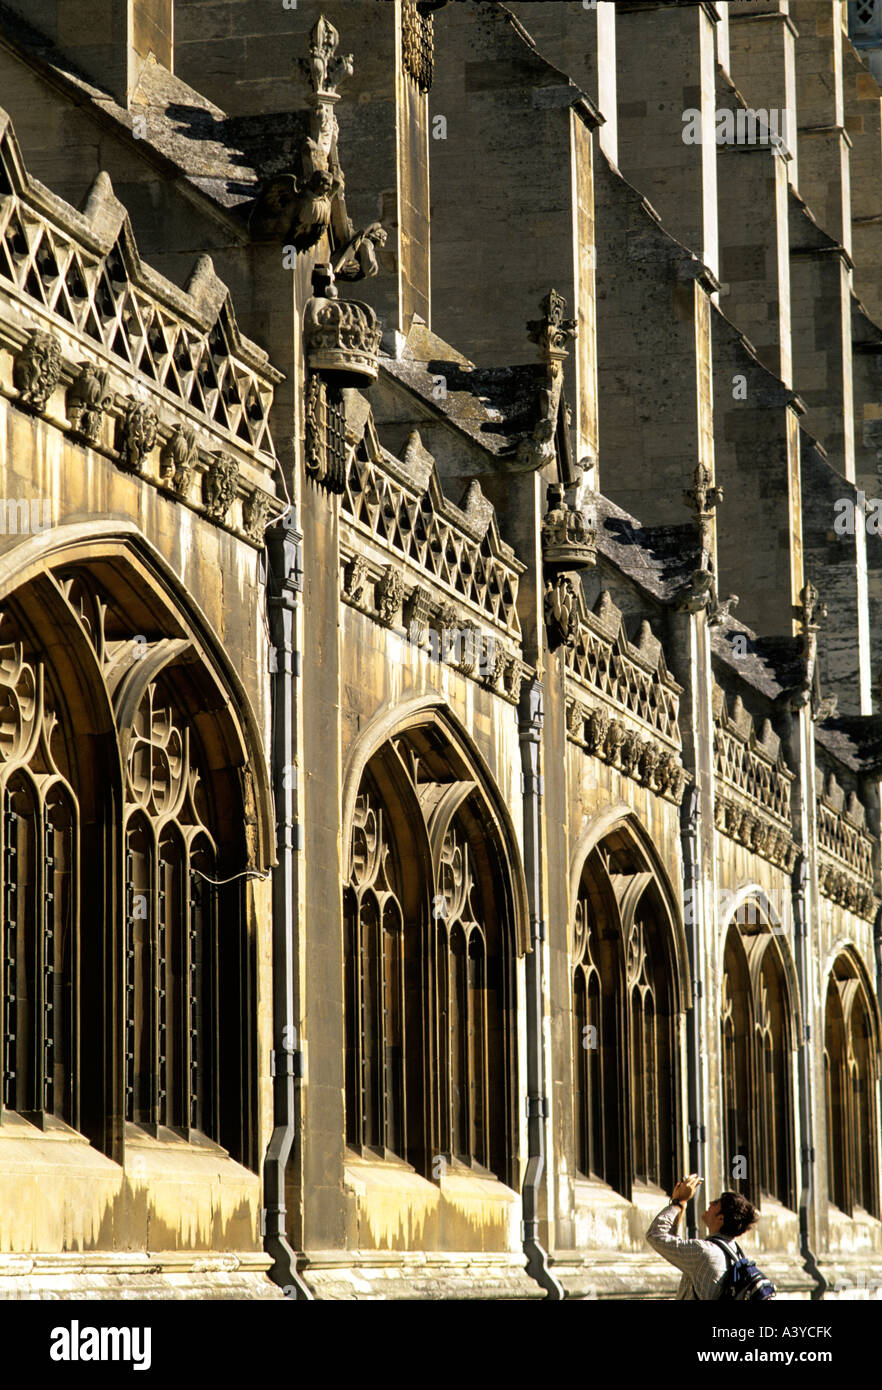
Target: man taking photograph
(702, 1263)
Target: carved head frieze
(255, 515)
(354, 576)
(36, 369)
(136, 435)
(389, 595)
(88, 400)
(219, 485)
(177, 459)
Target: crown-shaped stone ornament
(342, 339)
(568, 542)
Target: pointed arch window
(122, 808)
(756, 1050)
(850, 1074)
(427, 926)
(623, 1020)
(595, 1087)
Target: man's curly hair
(738, 1214)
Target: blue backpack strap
(732, 1259)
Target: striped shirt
(703, 1265)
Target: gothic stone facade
(411, 863)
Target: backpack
(743, 1280)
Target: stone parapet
(155, 377)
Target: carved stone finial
(36, 369)
(88, 399)
(219, 485)
(552, 333)
(177, 459)
(325, 66)
(701, 498)
(136, 435)
(810, 610)
(567, 540)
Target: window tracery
(40, 836)
(850, 1092)
(756, 1044)
(121, 803)
(170, 923)
(624, 1063)
(426, 966)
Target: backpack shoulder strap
(725, 1247)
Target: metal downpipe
(529, 731)
(284, 583)
(807, 1156)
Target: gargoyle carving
(358, 258)
(298, 214)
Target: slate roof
(495, 406)
(226, 158)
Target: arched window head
(126, 793)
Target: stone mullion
(691, 665)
